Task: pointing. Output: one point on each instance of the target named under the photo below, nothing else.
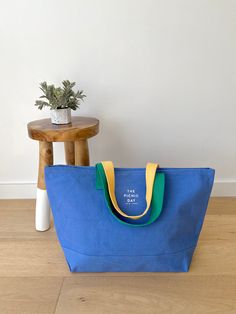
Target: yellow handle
(110, 176)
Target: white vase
(61, 116)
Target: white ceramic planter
(61, 116)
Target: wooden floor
(34, 277)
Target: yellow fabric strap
(150, 177)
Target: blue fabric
(93, 240)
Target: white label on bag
(131, 197)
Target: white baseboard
(26, 190)
(18, 190)
(224, 187)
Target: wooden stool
(74, 136)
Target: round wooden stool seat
(74, 136)
(81, 127)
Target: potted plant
(60, 100)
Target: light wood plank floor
(34, 277)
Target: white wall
(159, 74)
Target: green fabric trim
(157, 196)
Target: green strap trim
(157, 196)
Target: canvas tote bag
(128, 219)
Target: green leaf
(60, 97)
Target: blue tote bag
(128, 219)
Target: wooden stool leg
(81, 153)
(42, 213)
(70, 153)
